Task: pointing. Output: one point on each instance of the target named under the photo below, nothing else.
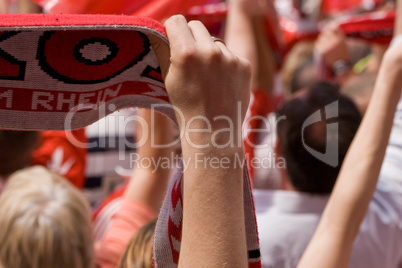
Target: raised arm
(149, 181)
(28, 6)
(145, 190)
(332, 242)
(245, 35)
(204, 81)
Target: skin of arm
(245, 35)
(149, 184)
(4, 6)
(332, 242)
(266, 64)
(145, 191)
(239, 35)
(28, 6)
(206, 80)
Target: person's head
(304, 76)
(298, 70)
(139, 252)
(299, 131)
(359, 89)
(16, 149)
(45, 222)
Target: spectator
(36, 199)
(299, 70)
(44, 222)
(381, 226)
(308, 179)
(350, 205)
(139, 251)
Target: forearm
(398, 19)
(212, 196)
(240, 39)
(4, 6)
(28, 6)
(266, 64)
(149, 180)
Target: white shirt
(287, 220)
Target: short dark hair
(306, 172)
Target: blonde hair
(138, 253)
(44, 222)
(300, 53)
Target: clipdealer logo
(330, 156)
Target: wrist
(245, 8)
(396, 40)
(199, 132)
(214, 158)
(212, 142)
(391, 63)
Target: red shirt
(61, 156)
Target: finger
(203, 37)
(179, 34)
(200, 33)
(224, 49)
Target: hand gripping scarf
(373, 27)
(65, 72)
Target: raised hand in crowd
(205, 80)
(331, 45)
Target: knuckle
(245, 66)
(214, 54)
(187, 54)
(233, 61)
(244, 63)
